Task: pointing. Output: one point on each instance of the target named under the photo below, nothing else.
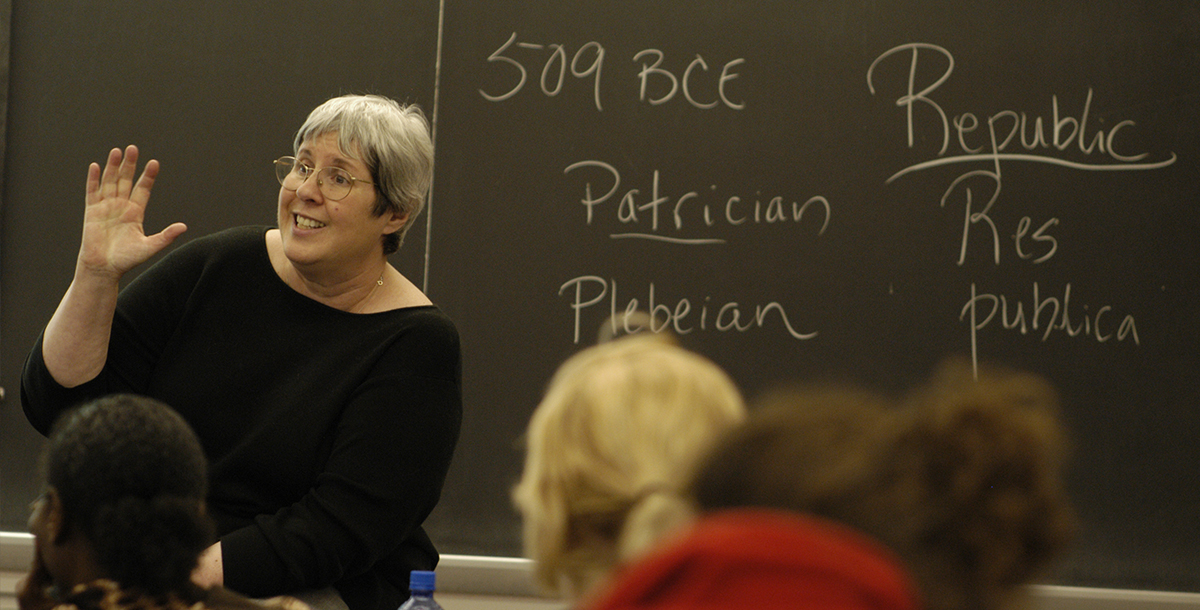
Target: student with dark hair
(122, 522)
(835, 498)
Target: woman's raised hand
(114, 240)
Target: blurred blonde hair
(609, 448)
(962, 478)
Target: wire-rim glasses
(334, 182)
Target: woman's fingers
(108, 180)
(163, 238)
(126, 171)
(113, 236)
(116, 180)
(93, 183)
(141, 192)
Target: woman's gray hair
(392, 139)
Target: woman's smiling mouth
(307, 223)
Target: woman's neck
(354, 294)
(357, 290)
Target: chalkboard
(789, 183)
(848, 190)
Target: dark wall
(849, 190)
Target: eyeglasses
(335, 183)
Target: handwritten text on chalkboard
(657, 84)
(1006, 130)
(708, 217)
(692, 209)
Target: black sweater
(328, 433)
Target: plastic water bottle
(421, 585)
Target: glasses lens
(284, 173)
(335, 182)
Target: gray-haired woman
(323, 384)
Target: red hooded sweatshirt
(755, 559)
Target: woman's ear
(396, 221)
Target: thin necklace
(378, 283)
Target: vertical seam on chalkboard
(437, 82)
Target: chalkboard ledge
(509, 577)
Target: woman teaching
(325, 386)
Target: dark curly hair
(132, 479)
(962, 478)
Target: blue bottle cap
(421, 580)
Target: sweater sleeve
(147, 312)
(44, 399)
(391, 452)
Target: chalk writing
(654, 209)
(587, 291)
(982, 308)
(980, 189)
(1067, 130)
(982, 217)
(657, 84)
(1003, 137)
(1050, 245)
(551, 83)
(654, 70)
(703, 209)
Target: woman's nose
(310, 189)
